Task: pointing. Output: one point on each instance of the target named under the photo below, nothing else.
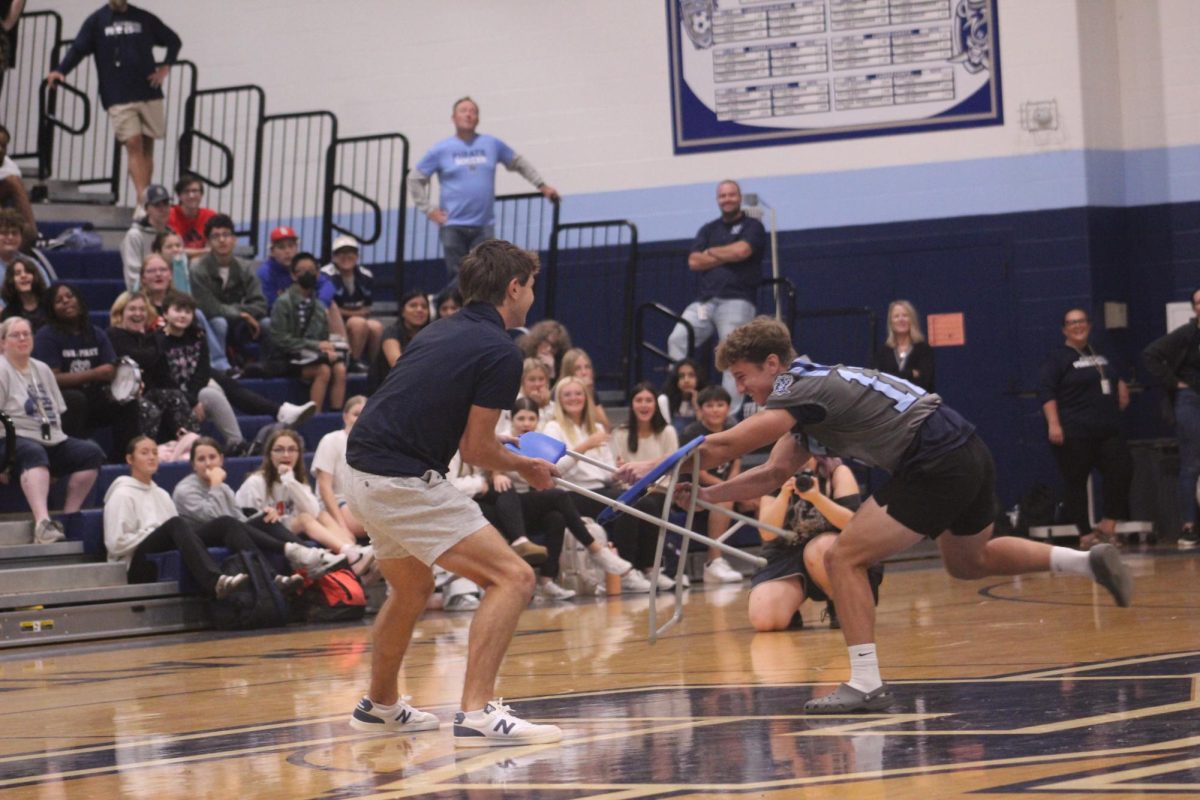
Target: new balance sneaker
(48, 531)
(634, 582)
(1188, 538)
(552, 591)
(291, 414)
(400, 718)
(719, 571)
(1111, 572)
(608, 560)
(497, 726)
(847, 699)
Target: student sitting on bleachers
(30, 397)
(333, 473)
(140, 519)
(546, 341)
(414, 316)
(353, 297)
(139, 239)
(684, 382)
(164, 412)
(300, 343)
(160, 276)
(449, 302)
(23, 293)
(535, 386)
(227, 290)
(204, 495)
(82, 359)
(713, 418)
(186, 349)
(189, 217)
(577, 363)
(280, 489)
(12, 233)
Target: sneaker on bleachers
(634, 582)
(227, 583)
(665, 582)
(467, 601)
(1188, 538)
(552, 591)
(315, 561)
(292, 415)
(48, 532)
(289, 583)
(496, 726)
(359, 557)
(358, 367)
(533, 554)
(719, 571)
(608, 560)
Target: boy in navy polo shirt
(446, 394)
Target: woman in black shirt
(906, 354)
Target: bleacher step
(54, 192)
(15, 556)
(62, 576)
(103, 620)
(16, 532)
(86, 596)
(115, 217)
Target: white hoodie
(132, 511)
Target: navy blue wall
(1012, 276)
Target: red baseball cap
(283, 232)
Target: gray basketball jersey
(853, 412)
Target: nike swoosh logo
(860, 655)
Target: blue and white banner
(753, 73)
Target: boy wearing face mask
(300, 344)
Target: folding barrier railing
(365, 198)
(220, 145)
(78, 139)
(591, 258)
(38, 34)
(780, 293)
(295, 154)
(642, 345)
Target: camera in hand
(804, 481)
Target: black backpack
(1039, 506)
(256, 603)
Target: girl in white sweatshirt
(140, 519)
(279, 488)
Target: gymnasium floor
(1031, 687)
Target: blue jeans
(216, 343)
(457, 241)
(1187, 428)
(721, 315)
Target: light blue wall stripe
(1062, 179)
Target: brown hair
(11, 220)
(754, 342)
(486, 271)
(205, 441)
(269, 473)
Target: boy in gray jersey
(943, 481)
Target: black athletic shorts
(953, 492)
(786, 560)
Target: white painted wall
(581, 89)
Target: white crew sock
(1071, 562)
(382, 709)
(864, 667)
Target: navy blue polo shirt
(414, 421)
(732, 281)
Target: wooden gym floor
(1030, 687)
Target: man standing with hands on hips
(465, 164)
(444, 395)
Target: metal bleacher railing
(262, 169)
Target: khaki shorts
(419, 517)
(146, 118)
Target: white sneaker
(665, 582)
(634, 582)
(359, 557)
(401, 718)
(497, 726)
(291, 414)
(48, 531)
(462, 602)
(289, 583)
(719, 571)
(315, 561)
(227, 583)
(609, 561)
(552, 591)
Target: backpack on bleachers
(257, 603)
(336, 596)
